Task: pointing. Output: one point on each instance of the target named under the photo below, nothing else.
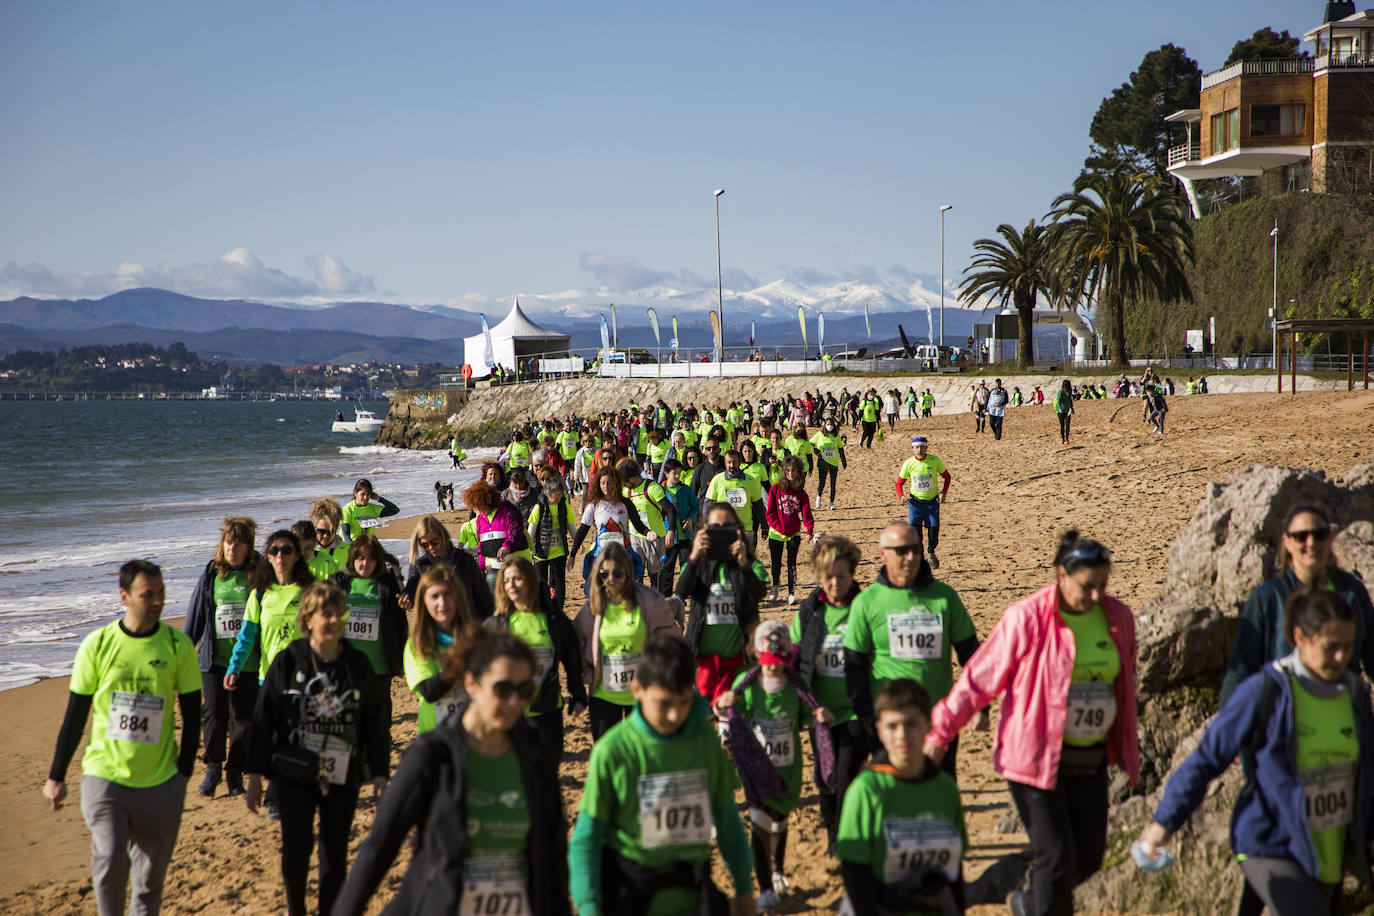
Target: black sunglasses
(325, 532)
(280, 550)
(1317, 534)
(904, 549)
(612, 572)
(507, 690)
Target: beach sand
(1009, 500)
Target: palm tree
(1017, 270)
(1119, 236)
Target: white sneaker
(791, 598)
(832, 505)
(769, 900)
(772, 593)
(780, 882)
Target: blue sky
(424, 151)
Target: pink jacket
(788, 511)
(1027, 660)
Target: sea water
(88, 485)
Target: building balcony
(1184, 152)
(1187, 162)
(1347, 61)
(1256, 68)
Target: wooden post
(1278, 360)
(1364, 360)
(1293, 364)
(1350, 362)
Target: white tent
(515, 338)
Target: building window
(1225, 131)
(1277, 120)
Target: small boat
(365, 421)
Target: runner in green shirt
(905, 625)
(736, 489)
(902, 836)
(134, 780)
(441, 619)
(657, 784)
(366, 511)
(829, 445)
(269, 618)
(916, 484)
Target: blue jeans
(925, 513)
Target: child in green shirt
(657, 783)
(902, 837)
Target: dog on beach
(443, 492)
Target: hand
(252, 793)
(577, 709)
(934, 752)
(738, 552)
(725, 700)
(54, 792)
(567, 562)
(378, 787)
(700, 544)
(502, 553)
(231, 682)
(653, 536)
(405, 602)
(1153, 836)
(743, 905)
(824, 716)
(984, 722)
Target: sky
(428, 152)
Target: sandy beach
(1117, 481)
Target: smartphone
(720, 541)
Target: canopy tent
(515, 338)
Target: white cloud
(239, 273)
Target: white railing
(1352, 61)
(728, 369)
(1185, 152)
(1256, 68)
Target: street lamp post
(943, 208)
(720, 285)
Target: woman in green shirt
(376, 624)
(274, 598)
(444, 616)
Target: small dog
(443, 492)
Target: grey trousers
(135, 827)
(1286, 889)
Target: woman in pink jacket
(1063, 662)
(788, 512)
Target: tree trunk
(1116, 323)
(1025, 347)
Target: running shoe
(934, 561)
(210, 783)
(233, 780)
(780, 883)
(1016, 902)
(769, 900)
(791, 598)
(772, 593)
(832, 505)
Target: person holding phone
(724, 584)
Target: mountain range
(354, 331)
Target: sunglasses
(281, 550)
(324, 532)
(430, 542)
(904, 550)
(613, 572)
(1317, 534)
(508, 690)
(712, 451)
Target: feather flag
(653, 323)
(751, 333)
(801, 318)
(615, 328)
(605, 335)
(675, 337)
(715, 332)
(867, 327)
(820, 331)
(488, 351)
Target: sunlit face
(235, 554)
(665, 710)
(837, 581)
(793, 476)
(432, 545)
(324, 531)
(441, 605)
(518, 588)
(614, 578)
(145, 596)
(732, 465)
(282, 555)
(1083, 589)
(901, 552)
(492, 476)
(362, 495)
(919, 450)
(1308, 541)
(903, 735)
(1327, 652)
(364, 565)
(608, 485)
(496, 695)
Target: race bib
(618, 671)
(364, 623)
(135, 717)
(674, 809)
(1091, 711)
(737, 497)
(610, 537)
(369, 523)
(920, 843)
(446, 707)
(830, 661)
(829, 452)
(228, 620)
(777, 740)
(334, 754)
(720, 606)
(492, 536)
(923, 483)
(1329, 793)
(494, 886)
(915, 635)
(543, 660)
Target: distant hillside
(1325, 264)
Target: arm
(571, 658)
(808, 521)
(375, 725)
(432, 688)
(861, 887)
(636, 520)
(189, 704)
(734, 848)
(858, 669)
(578, 538)
(1248, 651)
(944, 475)
(965, 648)
(199, 611)
(69, 735)
(985, 676)
(584, 864)
(389, 508)
(243, 646)
(898, 487)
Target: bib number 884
(129, 722)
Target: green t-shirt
(274, 611)
(556, 548)
(567, 443)
(326, 563)
(827, 680)
(1096, 664)
(518, 454)
(797, 446)
(134, 682)
(869, 409)
(909, 633)
(533, 630)
(498, 814)
(231, 597)
(776, 720)
(419, 668)
(893, 826)
(927, 401)
(658, 795)
(828, 447)
(364, 625)
(757, 472)
(921, 474)
(647, 497)
(1328, 757)
(721, 634)
(354, 515)
(623, 634)
(739, 492)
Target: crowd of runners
(288, 652)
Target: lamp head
(944, 207)
(719, 191)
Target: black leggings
(761, 863)
(825, 469)
(775, 550)
(554, 575)
(870, 427)
(851, 750)
(604, 714)
(296, 804)
(1064, 419)
(226, 714)
(1067, 826)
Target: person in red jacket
(788, 512)
(1063, 663)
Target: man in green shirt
(657, 784)
(134, 779)
(916, 484)
(904, 626)
(739, 490)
